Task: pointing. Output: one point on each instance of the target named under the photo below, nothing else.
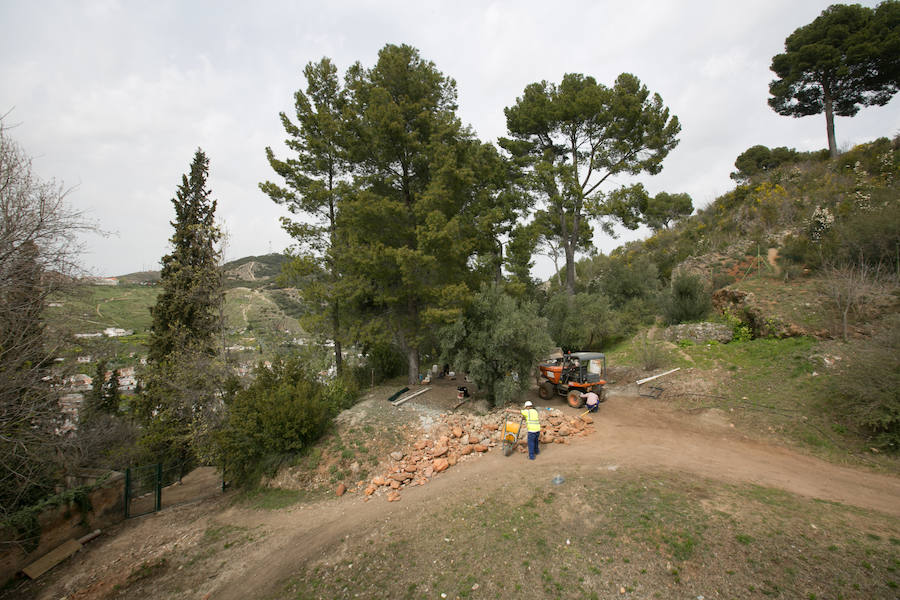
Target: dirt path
(632, 433)
(772, 258)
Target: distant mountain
(254, 270)
(139, 277)
(250, 271)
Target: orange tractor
(572, 374)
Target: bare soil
(218, 548)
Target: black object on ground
(398, 394)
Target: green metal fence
(150, 488)
(143, 490)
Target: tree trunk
(498, 273)
(336, 328)
(338, 359)
(408, 342)
(570, 269)
(412, 356)
(829, 120)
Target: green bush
(799, 250)
(497, 343)
(280, 414)
(740, 331)
(871, 236)
(623, 279)
(687, 299)
(867, 387)
(582, 322)
(650, 354)
(383, 362)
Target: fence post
(158, 486)
(127, 490)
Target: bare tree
(38, 249)
(847, 286)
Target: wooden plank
(51, 559)
(645, 380)
(402, 400)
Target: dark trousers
(533, 441)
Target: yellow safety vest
(532, 419)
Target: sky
(112, 98)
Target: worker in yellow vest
(533, 421)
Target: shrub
(650, 354)
(582, 322)
(868, 387)
(623, 280)
(686, 300)
(740, 331)
(497, 343)
(383, 362)
(281, 413)
(871, 236)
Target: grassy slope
(777, 390)
(642, 535)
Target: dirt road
(632, 433)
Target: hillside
(260, 317)
(256, 270)
(656, 502)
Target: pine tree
(315, 180)
(179, 403)
(186, 314)
(111, 396)
(411, 225)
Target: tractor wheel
(574, 399)
(545, 390)
(602, 394)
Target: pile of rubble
(454, 439)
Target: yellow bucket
(512, 428)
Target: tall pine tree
(186, 315)
(408, 225)
(315, 179)
(180, 402)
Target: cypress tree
(187, 309)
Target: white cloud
(115, 97)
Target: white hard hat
(528, 403)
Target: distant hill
(260, 316)
(250, 271)
(253, 271)
(139, 277)
(767, 244)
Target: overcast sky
(113, 97)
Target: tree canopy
(187, 310)
(38, 252)
(848, 57)
(315, 177)
(179, 402)
(579, 133)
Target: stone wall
(699, 333)
(64, 522)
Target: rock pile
(454, 439)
